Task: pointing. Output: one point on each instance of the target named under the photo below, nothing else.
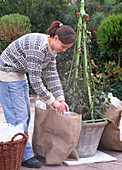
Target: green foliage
(44, 12)
(96, 19)
(113, 75)
(109, 34)
(40, 12)
(70, 17)
(12, 27)
(14, 6)
(114, 72)
(117, 89)
(98, 10)
(31, 90)
(78, 99)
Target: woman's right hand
(59, 106)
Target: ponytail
(65, 33)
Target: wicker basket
(11, 153)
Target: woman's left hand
(65, 105)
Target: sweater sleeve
(34, 66)
(52, 79)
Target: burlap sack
(111, 137)
(55, 137)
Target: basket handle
(22, 134)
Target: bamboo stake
(78, 49)
(82, 31)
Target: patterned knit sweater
(31, 53)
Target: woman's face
(58, 46)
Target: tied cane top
(32, 53)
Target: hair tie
(60, 24)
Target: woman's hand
(59, 106)
(65, 105)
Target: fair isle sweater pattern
(31, 54)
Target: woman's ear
(56, 37)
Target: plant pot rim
(94, 123)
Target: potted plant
(82, 94)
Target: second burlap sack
(112, 135)
(55, 137)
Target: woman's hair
(65, 33)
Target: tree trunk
(119, 59)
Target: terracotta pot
(89, 138)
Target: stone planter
(89, 138)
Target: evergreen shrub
(12, 27)
(109, 35)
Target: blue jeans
(15, 102)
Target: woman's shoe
(32, 163)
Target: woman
(35, 54)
